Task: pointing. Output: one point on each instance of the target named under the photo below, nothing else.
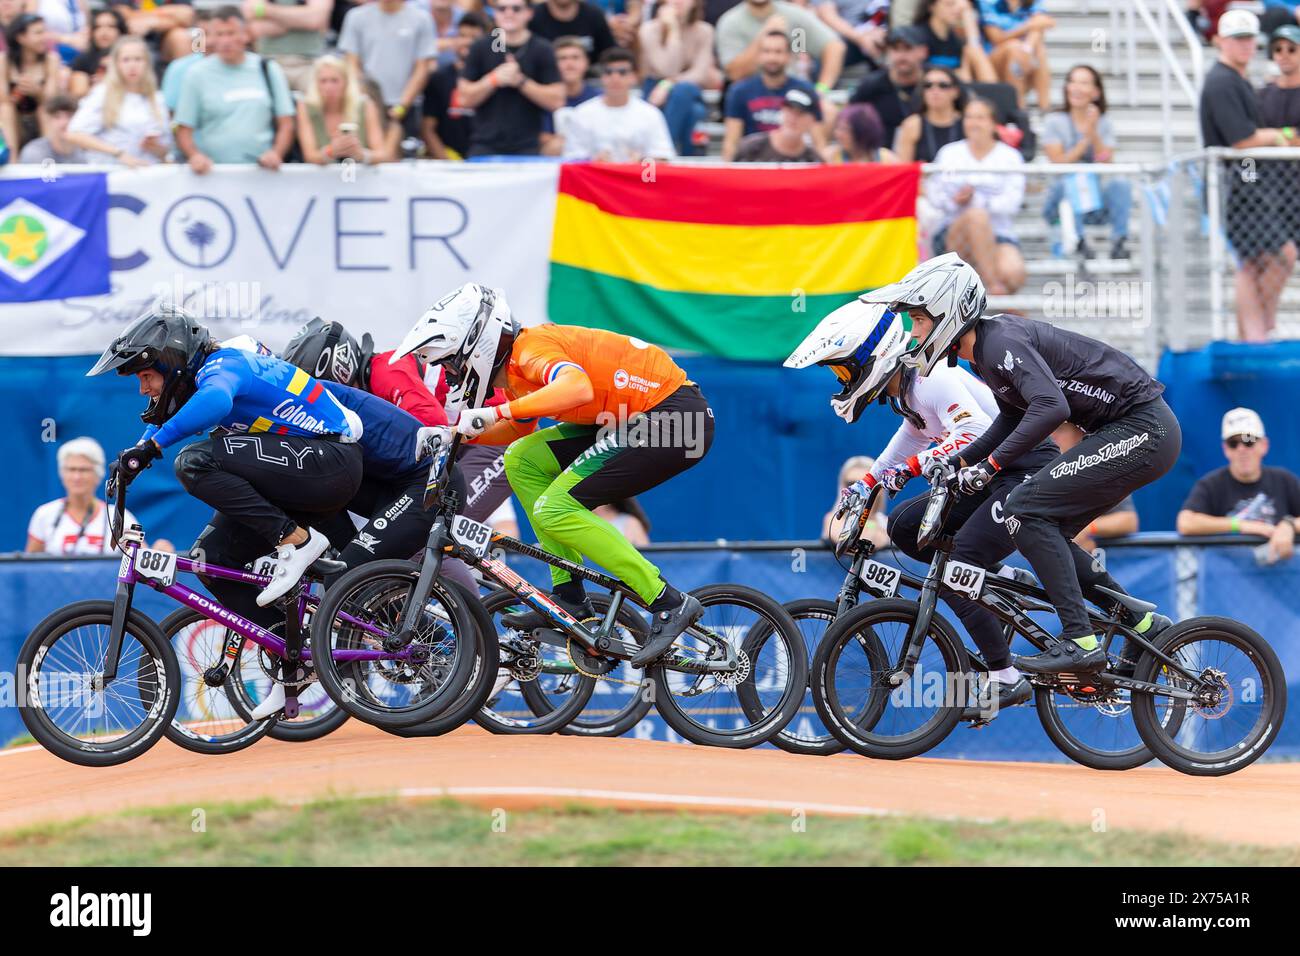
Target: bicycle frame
(999, 595)
(723, 657)
(289, 647)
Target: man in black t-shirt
(1245, 497)
(509, 89)
(447, 124)
(1279, 107)
(1230, 117)
(892, 90)
(573, 18)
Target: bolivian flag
(726, 261)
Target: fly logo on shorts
(1108, 452)
(367, 541)
(235, 443)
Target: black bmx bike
(891, 679)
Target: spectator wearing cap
(1230, 116)
(979, 209)
(861, 24)
(753, 105)
(952, 30)
(676, 57)
(391, 41)
(1279, 13)
(742, 28)
(789, 142)
(892, 90)
(77, 523)
(511, 82)
(54, 146)
(1246, 496)
(553, 19)
(229, 103)
(573, 63)
(859, 137)
(616, 127)
(1017, 31)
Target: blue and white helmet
(863, 344)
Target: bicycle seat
(1137, 608)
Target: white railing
(1158, 24)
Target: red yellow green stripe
(733, 259)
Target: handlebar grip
(478, 423)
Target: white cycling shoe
(291, 560)
(273, 704)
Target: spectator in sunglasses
(1246, 497)
(511, 82)
(615, 127)
(937, 122)
(1279, 108)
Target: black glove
(975, 478)
(131, 461)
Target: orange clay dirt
(1260, 805)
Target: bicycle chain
(612, 680)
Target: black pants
(258, 479)
(980, 538)
(262, 487)
(1047, 511)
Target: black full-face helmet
(168, 340)
(326, 351)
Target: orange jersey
(627, 375)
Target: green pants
(545, 468)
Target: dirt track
(1258, 805)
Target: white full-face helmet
(469, 333)
(947, 290)
(863, 344)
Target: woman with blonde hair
(124, 119)
(336, 120)
(877, 531)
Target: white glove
(429, 436)
(475, 421)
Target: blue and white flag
(53, 238)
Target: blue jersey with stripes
(245, 391)
(388, 434)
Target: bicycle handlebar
(858, 510)
(937, 508)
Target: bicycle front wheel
(68, 706)
(867, 699)
(706, 708)
(367, 605)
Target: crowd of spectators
(321, 81)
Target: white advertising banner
(260, 253)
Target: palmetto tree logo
(200, 235)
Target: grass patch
(22, 740)
(390, 832)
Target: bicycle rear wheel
(805, 734)
(66, 704)
(618, 702)
(856, 698)
(358, 612)
(706, 708)
(1240, 712)
(563, 690)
